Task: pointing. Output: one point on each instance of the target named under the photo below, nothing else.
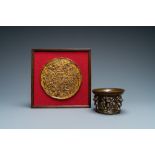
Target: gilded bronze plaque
(61, 78)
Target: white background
(69, 12)
(77, 12)
(77, 142)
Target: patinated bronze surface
(108, 100)
(61, 78)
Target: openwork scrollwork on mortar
(108, 101)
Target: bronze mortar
(108, 100)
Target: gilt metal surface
(61, 78)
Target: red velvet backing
(41, 99)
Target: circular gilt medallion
(61, 78)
